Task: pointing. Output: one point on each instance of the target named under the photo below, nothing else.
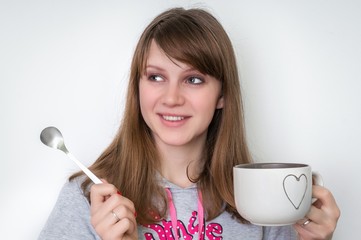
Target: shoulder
(70, 217)
(72, 192)
(71, 197)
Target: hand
(323, 217)
(112, 215)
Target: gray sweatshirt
(70, 219)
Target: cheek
(143, 99)
(206, 108)
(207, 101)
(146, 99)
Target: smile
(173, 118)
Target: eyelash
(152, 77)
(190, 80)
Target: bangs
(183, 39)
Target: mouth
(172, 118)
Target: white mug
(274, 194)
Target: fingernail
(119, 193)
(135, 214)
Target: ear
(220, 102)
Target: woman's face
(177, 101)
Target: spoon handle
(91, 175)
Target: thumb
(104, 180)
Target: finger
(324, 196)
(99, 193)
(305, 232)
(323, 215)
(112, 218)
(313, 231)
(320, 217)
(317, 203)
(124, 227)
(323, 223)
(308, 229)
(104, 223)
(120, 230)
(104, 180)
(126, 211)
(327, 203)
(127, 224)
(304, 221)
(115, 201)
(117, 223)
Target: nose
(173, 95)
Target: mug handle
(316, 180)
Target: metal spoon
(53, 138)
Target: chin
(175, 141)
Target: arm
(70, 217)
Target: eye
(195, 80)
(155, 78)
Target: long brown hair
(196, 38)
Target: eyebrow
(153, 66)
(190, 69)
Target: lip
(173, 120)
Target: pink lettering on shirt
(164, 230)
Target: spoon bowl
(52, 137)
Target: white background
(66, 63)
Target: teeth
(173, 118)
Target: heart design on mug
(295, 189)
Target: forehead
(156, 57)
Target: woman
(181, 134)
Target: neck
(177, 161)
